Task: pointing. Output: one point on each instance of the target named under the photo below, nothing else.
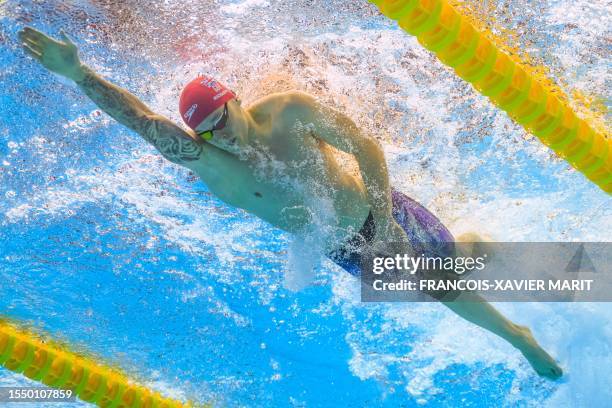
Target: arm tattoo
(171, 141)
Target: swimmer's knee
(469, 237)
(474, 245)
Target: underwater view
(137, 262)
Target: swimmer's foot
(539, 359)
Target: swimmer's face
(225, 128)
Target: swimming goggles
(208, 134)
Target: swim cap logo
(219, 95)
(191, 111)
(212, 84)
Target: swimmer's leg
(473, 308)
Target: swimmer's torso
(288, 176)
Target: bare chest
(275, 184)
(287, 177)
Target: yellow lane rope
(532, 104)
(55, 366)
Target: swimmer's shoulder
(281, 101)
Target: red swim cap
(200, 98)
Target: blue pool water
(130, 258)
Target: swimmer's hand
(391, 233)
(60, 57)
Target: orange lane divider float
(455, 41)
(54, 366)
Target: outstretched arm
(172, 142)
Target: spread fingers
(32, 51)
(32, 44)
(34, 35)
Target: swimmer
(227, 145)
